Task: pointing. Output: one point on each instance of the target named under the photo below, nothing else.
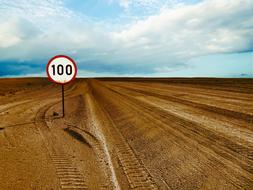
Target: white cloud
(38, 12)
(124, 3)
(14, 30)
(192, 30)
(9, 36)
(135, 8)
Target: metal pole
(63, 107)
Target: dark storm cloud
(101, 67)
(14, 68)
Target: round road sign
(61, 69)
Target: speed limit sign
(61, 69)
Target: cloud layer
(33, 31)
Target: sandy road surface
(127, 134)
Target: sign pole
(61, 70)
(63, 106)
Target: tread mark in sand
(69, 176)
(136, 173)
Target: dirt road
(127, 134)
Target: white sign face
(61, 69)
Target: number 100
(60, 69)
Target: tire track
(137, 174)
(89, 131)
(99, 133)
(68, 174)
(220, 145)
(7, 107)
(135, 171)
(98, 149)
(211, 108)
(194, 129)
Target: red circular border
(61, 56)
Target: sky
(146, 38)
